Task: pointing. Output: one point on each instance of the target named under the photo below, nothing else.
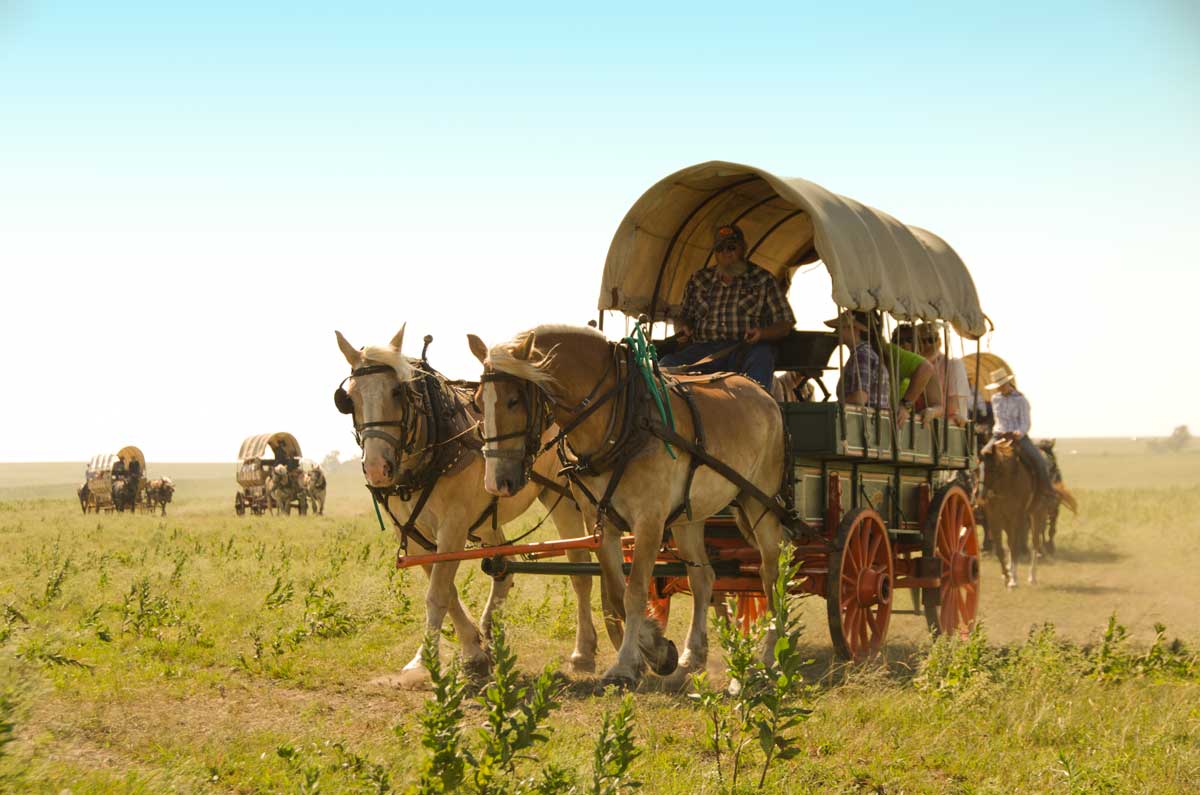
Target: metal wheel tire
(949, 535)
(858, 588)
(239, 504)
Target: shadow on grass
(1094, 555)
(1082, 589)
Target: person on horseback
(864, 380)
(1011, 411)
(731, 314)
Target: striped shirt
(1011, 413)
(716, 311)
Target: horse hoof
(412, 679)
(477, 667)
(583, 665)
(669, 665)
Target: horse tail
(1066, 497)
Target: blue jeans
(756, 361)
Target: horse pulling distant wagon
(114, 482)
(269, 475)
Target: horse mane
(390, 357)
(535, 370)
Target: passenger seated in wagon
(950, 373)
(864, 380)
(732, 313)
(917, 390)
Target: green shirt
(906, 363)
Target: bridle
(539, 405)
(428, 392)
(402, 444)
(537, 417)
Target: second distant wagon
(268, 475)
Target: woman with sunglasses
(731, 314)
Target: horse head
(378, 395)
(513, 410)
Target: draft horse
(422, 462)
(727, 446)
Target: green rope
(378, 515)
(645, 357)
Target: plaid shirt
(1011, 413)
(716, 311)
(864, 373)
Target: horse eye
(512, 403)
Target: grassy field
(202, 652)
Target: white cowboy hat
(1000, 378)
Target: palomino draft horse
(728, 446)
(422, 462)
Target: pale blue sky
(232, 181)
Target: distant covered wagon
(269, 475)
(113, 480)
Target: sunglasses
(724, 247)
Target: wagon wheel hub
(874, 588)
(964, 569)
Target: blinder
(536, 420)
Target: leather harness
(631, 425)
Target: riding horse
(422, 462)
(727, 447)
(1014, 507)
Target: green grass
(146, 654)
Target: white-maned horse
(389, 408)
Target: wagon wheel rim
(956, 547)
(859, 586)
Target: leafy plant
(615, 752)
(325, 616)
(8, 725)
(12, 617)
(765, 707)
(54, 585)
(281, 593)
(514, 723)
(142, 611)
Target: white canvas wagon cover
(874, 261)
(102, 463)
(279, 443)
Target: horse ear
(478, 347)
(398, 340)
(525, 347)
(352, 354)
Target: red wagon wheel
(950, 537)
(858, 588)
